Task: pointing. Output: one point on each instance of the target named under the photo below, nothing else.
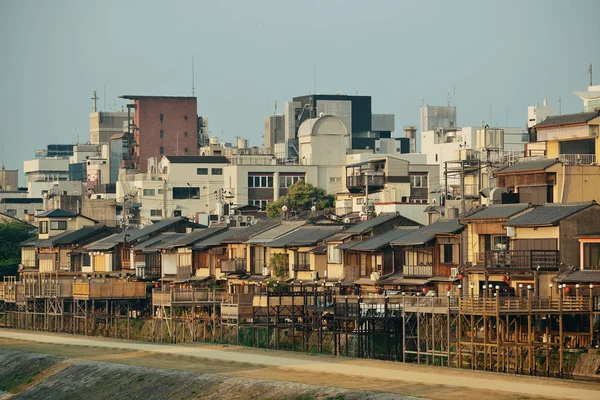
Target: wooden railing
(522, 259)
(417, 270)
(187, 296)
(233, 265)
(109, 290)
(523, 304)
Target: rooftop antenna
(559, 106)
(590, 72)
(315, 79)
(448, 99)
(94, 102)
(454, 94)
(275, 112)
(193, 88)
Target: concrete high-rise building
(537, 113)
(363, 127)
(105, 124)
(274, 132)
(9, 179)
(438, 117)
(163, 125)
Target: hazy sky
(509, 54)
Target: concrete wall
(105, 124)
(9, 179)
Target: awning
(442, 279)
(364, 281)
(410, 282)
(192, 279)
(389, 280)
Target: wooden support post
(560, 336)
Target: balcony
(547, 260)
(578, 159)
(232, 265)
(418, 270)
(301, 267)
(359, 183)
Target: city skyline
(246, 58)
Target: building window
(148, 192)
(201, 171)
(156, 213)
(217, 171)
(162, 134)
(262, 204)
(334, 255)
(359, 200)
(418, 181)
(447, 254)
(334, 179)
(287, 181)
(162, 150)
(25, 211)
(177, 213)
(185, 150)
(58, 225)
(159, 191)
(162, 117)
(186, 193)
(185, 118)
(260, 181)
(43, 227)
(185, 133)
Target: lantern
(461, 276)
(425, 290)
(449, 287)
(505, 278)
(568, 289)
(243, 283)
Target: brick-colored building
(163, 125)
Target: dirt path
(406, 379)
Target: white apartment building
(177, 186)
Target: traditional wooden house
(258, 260)
(54, 222)
(113, 254)
(541, 240)
(345, 265)
(372, 260)
(295, 256)
(150, 251)
(64, 253)
(181, 250)
(431, 257)
(485, 233)
(238, 250)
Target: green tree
(11, 234)
(300, 198)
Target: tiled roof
(217, 239)
(76, 237)
(155, 244)
(194, 237)
(427, 233)
(21, 200)
(58, 213)
(579, 276)
(107, 243)
(567, 119)
(198, 159)
(497, 211)
(380, 219)
(548, 214)
(305, 236)
(529, 165)
(276, 231)
(348, 245)
(380, 241)
(164, 224)
(339, 237)
(247, 232)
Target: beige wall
(546, 232)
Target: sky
(494, 55)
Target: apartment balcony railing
(233, 265)
(522, 259)
(359, 183)
(578, 159)
(418, 270)
(301, 267)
